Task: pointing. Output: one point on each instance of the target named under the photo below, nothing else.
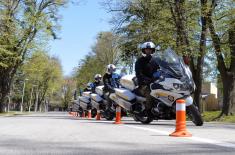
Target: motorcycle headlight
(176, 86)
(180, 87)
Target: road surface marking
(204, 140)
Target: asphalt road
(61, 134)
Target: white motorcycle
(84, 104)
(99, 101)
(175, 82)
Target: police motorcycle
(100, 101)
(175, 82)
(84, 102)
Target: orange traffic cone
(98, 115)
(180, 130)
(89, 114)
(83, 114)
(118, 115)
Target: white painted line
(213, 142)
(148, 129)
(203, 140)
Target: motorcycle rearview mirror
(158, 48)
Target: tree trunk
(5, 83)
(232, 69)
(228, 95)
(231, 102)
(200, 60)
(36, 101)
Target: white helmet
(89, 85)
(147, 45)
(98, 77)
(111, 68)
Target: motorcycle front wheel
(194, 115)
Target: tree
(21, 23)
(222, 13)
(105, 51)
(44, 75)
(67, 92)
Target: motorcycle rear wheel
(80, 111)
(108, 115)
(143, 119)
(194, 115)
(93, 113)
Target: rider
(88, 87)
(109, 80)
(97, 82)
(144, 72)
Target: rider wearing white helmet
(88, 87)
(144, 71)
(97, 82)
(108, 78)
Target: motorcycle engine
(159, 109)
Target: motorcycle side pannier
(125, 94)
(86, 94)
(127, 82)
(84, 99)
(84, 102)
(96, 97)
(99, 90)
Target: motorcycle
(175, 83)
(99, 101)
(84, 103)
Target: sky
(79, 26)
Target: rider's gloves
(157, 74)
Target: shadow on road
(28, 147)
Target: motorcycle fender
(189, 101)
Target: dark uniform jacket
(95, 84)
(144, 69)
(110, 82)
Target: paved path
(61, 134)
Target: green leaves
(105, 51)
(24, 25)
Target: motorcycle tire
(93, 113)
(108, 115)
(194, 115)
(80, 111)
(135, 119)
(144, 119)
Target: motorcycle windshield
(170, 63)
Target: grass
(211, 115)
